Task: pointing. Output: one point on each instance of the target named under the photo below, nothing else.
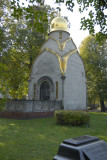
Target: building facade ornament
(61, 45)
(62, 59)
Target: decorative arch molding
(49, 81)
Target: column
(63, 80)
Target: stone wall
(32, 106)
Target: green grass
(39, 139)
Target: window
(56, 90)
(60, 35)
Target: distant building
(58, 72)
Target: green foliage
(2, 103)
(72, 118)
(21, 36)
(96, 15)
(3, 100)
(94, 57)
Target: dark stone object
(82, 148)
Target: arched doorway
(45, 91)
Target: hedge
(72, 118)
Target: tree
(94, 56)
(95, 9)
(20, 44)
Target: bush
(72, 118)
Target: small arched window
(44, 91)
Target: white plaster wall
(46, 65)
(53, 45)
(75, 86)
(55, 34)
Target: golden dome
(59, 23)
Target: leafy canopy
(94, 56)
(21, 40)
(96, 11)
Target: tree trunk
(102, 105)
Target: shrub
(72, 118)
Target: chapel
(58, 72)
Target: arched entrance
(45, 91)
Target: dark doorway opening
(45, 91)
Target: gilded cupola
(59, 23)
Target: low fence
(32, 106)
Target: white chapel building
(58, 72)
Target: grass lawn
(39, 139)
